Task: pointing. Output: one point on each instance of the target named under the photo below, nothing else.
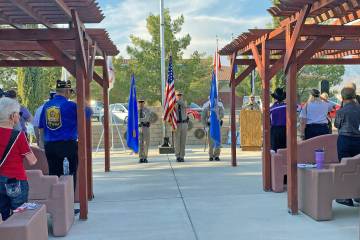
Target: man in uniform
(182, 127)
(58, 124)
(252, 105)
(144, 131)
(214, 152)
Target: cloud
(203, 21)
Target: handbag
(13, 186)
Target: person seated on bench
(347, 121)
(313, 116)
(14, 148)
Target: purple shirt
(25, 117)
(278, 114)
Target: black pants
(314, 130)
(348, 146)
(278, 137)
(55, 154)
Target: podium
(251, 130)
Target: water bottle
(66, 166)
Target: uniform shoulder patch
(53, 118)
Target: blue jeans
(7, 204)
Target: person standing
(36, 120)
(14, 149)
(144, 131)
(278, 120)
(58, 121)
(25, 115)
(214, 152)
(182, 127)
(347, 121)
(252, 104)
(313, 117)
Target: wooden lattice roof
(343, 40)
(47, 12)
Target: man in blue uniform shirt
(58, 121)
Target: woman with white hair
(14, 148)
(313, 116)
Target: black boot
(178, 159)
(141, 160)
(217, 159)
(211, 159)
(145, 160)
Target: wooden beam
(64, 8)
(51, 48)
(291, 130)
(266, 156)
(257, 57)
(233, 111)
(244, 74)
(313, 47)
(330, 30)
(291, 43)
(80, 40)
(91, 62)
(28, 10)
(106, 115)
(36, 34)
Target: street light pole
(162, 46)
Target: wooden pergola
(312, 32)
(73, 47)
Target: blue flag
(214, 114)
(132, 137)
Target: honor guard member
(144, 131)
(58, 122)
(214, 152)
(252, 104)
(182, 127)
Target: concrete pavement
(198, 199)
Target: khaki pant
(180, 140)
(213, 152)
(144, 140)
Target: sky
(205, 21)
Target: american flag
(170, 100)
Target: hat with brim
(141, 100)
(315, 93)
(279, 94)
(10, 94)
(178, 93)
(60, 84)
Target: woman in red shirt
(14, 187)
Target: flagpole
(162, 46)
(217, 65)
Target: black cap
(1, 93)
(60, 84)
(315, 93)
(279, 94)
(140, 100)
(10, 94)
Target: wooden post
(291, 132)
(80, 66)
(233, 113)
(106, 116)
(266, 157)
(91, 61)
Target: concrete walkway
(198, 199)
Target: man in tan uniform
(252, 104)
(144, 131)
(182, 127)
(214, 153)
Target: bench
(319, 187)
(306, 154)
(58, 196)
(26, 225)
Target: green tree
(8, 78)
(192, 75)
(34, 85)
